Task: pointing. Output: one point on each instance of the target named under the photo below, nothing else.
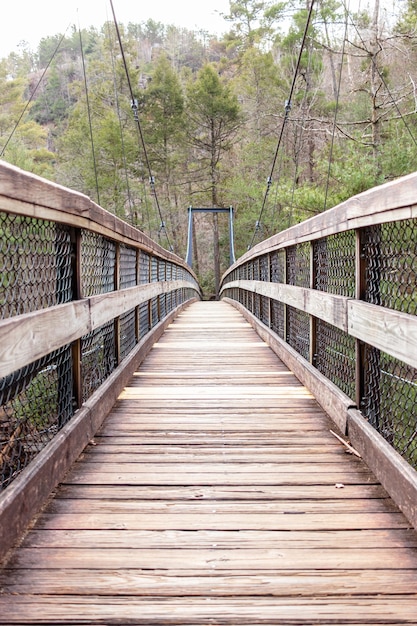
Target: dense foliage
(211, 110)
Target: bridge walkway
(215, 493)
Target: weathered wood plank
(392, 332)
(389, 609)
(230, 539)
(216, 521)
(28, 337)
(276, 583)
(243, 560)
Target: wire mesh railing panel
(264, 267)
(155, 311)
(278, 318)
(144, 325)
(277, 266)
(154, 270)
(390, 400)
(98, 261)
(298, 331)
(391, 268)
(144, 268)
(334, 263)
(161, 270)
(35, 264)
(98, 358)
(128, 338)
(264, 310)
(35, 402)
(335, 357)
(298, 265)
(162, 306)
(127, 267)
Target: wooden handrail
(365, 376)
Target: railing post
(285, 312)
(269, 276)
(137, 309)
(116, 288)
(359, 295)
(76, 295)
(313, 320)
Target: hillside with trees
(212, 112)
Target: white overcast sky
(30, 20)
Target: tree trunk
(375, 87)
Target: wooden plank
(199, 504)
(391, 331)
(24, 193)
(325, 306)
(216, 521)
(28, 337)
(230, 539)
(221, 493)
(276, 583)
(386, 203)
(390, 609)
(397, 476)
(243, 560)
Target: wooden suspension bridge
(249, 461)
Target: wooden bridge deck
(215, 494)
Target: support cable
(298, 146)
(122, 141)
(284, 121)
(90, 123)
(134, 105)
(32, 95)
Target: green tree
(161, 106)
(23, 142)
(214, 118)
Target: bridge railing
(83, 295)
(336, 296)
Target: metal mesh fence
(391, 268)
(144, 325)
(35, 402)
(98, 256)
(35, 264)
(278, 318)
(334, 262)
(98, 358)
(298, 331)
(335, 357)
(298, 265)
(277, 270)
(127, 267)
(144, 261)
(154, 311)
(128, 338)
(389, 402)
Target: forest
(293, 110)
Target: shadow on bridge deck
(215, 493)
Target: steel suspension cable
(122, 141)
(139, 127)
(284, 121)
(32, 95)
